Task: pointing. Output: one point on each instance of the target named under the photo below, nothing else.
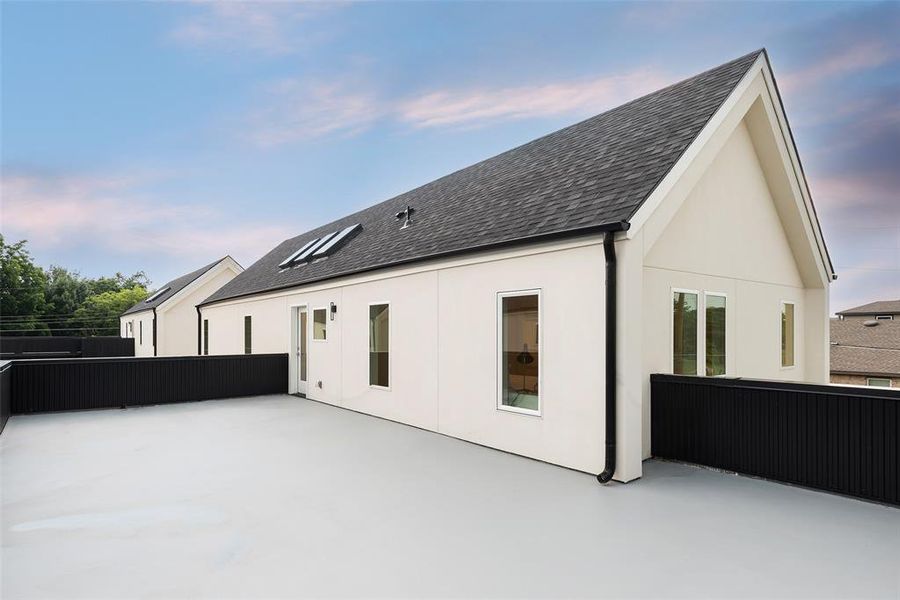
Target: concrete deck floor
(278, 496)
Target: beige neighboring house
(866, 351)
(522, 303)
(167, 323)
(881, 310)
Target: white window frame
(780, 313)
(312, 322)
(141, 332)
(390, 338)
(884, 317)
(888, 379)
(498, 350)
(701, 332)
(702, 327)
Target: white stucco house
(167, 322)
(523, 302)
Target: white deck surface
(278, 496)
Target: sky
(160, 136)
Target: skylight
(294, 256)
(320, 247)
(157, 294)
(342, 235)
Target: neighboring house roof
(586, 178)
(863, 349)
(171, 288)
(880, 307)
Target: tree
(100, 313)
(21, 291)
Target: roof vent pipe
(609, 251)
(406, 215)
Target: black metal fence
(834, 438)
(84, 383)
(21, 347)
(5, 393)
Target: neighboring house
(882, 310)
(167, 322)
(865, 352)
(519, 302)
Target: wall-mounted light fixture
(333, 310)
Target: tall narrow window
(684, 333)
(248, 335)
(205, 337)
(379, 345)
(141, 333)
(715, 334)
(320, 323)
(787, 334)
(520, 351)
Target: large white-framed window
(699, 332)
(685, 331)
(205, 337)
(519, 351)
(380, 345)
(141, 332)
(878, 381)
(884, 317)
(715, 333)
(788, 334)
(320, 324)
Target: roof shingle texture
(858, 349)
(592, 174)
(175, 286)
(880, 307)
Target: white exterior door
(302, 349)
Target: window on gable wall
(685, 327)
(699, 315)
(787, 334)
(248, 335)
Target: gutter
(154, 331)
(609, 251)
(199, 332)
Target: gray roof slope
(879, 307)
(588, 176)
(853, 332)
(175, 286)
(858, 349)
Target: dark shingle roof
(858, 349)
(880, 307)
(175, 286)
(589, 176)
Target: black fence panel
(834, 438)
(22, 347)
(84, 383)
(5, 393)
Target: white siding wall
(177, 320)
(728, 237)
(443, 348)
(145, 317)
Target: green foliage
(21, 290)
(60, 301)
(101, 312)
